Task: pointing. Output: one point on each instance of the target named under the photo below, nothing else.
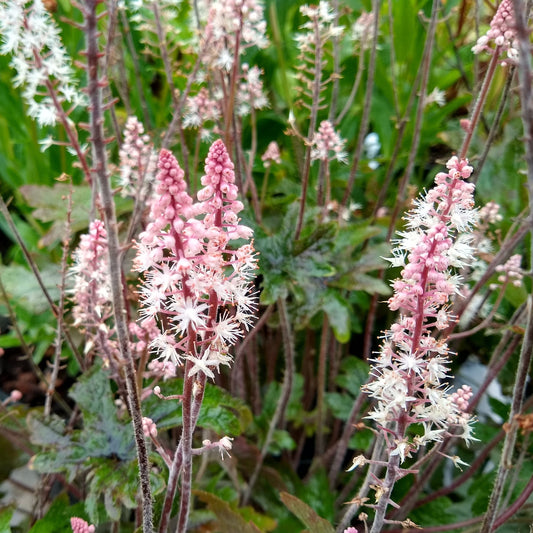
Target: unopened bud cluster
(502, 34)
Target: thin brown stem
(525, 73)
(186, 450)
(495, 123)
(321, 387)
(60, 308)
(480, 102)
(115, 272)
(425, 67)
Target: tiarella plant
(413, 408)
(198, 287)
(161, 370)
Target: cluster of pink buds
(490, 213)
(91, 296)
(502, 34)
(327, 145)
(461, 397)
(197, 284)
(149, 427)
(409, 372)
(510, 272)
(81, 526)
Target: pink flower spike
(192, 276)
(138, 159)
(502, 34)
(80, 526)
(173, 198)
(219, 195)
(412, 364)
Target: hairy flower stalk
(232, 27)
(409, 372)
(198, 286)
(100, 170)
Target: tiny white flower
(189, 313)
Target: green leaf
(51, 205)
(103, 434)
(435, 513)
(271, 399)
(281, 440)
(315, 235)
(274, 287)
(221, 412)
(361, 439)
(353, 374)
(228, 519)
(263, 522)
(5, 519)
(355, 280)
(352, 235)
(22, 287)
(338, 311)
(317, 494)
(479, 493)
(308, 516)
(51, 433)
(57, 519)
(499, 408)
(339, 404)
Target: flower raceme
(91, 294)
(501, 35)
(30, 35)
(197, 286)
(412, 363)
